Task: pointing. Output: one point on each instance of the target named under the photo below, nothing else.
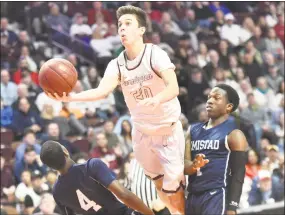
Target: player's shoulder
(94, 163)
(196, 126)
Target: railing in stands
(276, 208)
(71, 44)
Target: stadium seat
(7, 137)
(83, 145)
(7, 152)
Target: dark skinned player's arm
(190, 167)
(238, 145)
(128, 198)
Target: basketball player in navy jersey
(88, 188)
(216, 188)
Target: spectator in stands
(7, 50)
(51, 178)
(233, 67)
(278, 180)
(125, 138)
(154, 15)
(120, 103)
(92, 79)
(29, 139)
(25, 188)
(47, 205)
(217, 24)
(279, 28)
(258, 40)
(247, 29)
(24, 40)
(112, 137)
(53, 133)
(274, 79)
(155, 39)
(198, 89)
(272, 161)
(43, 99)
(279, 132)
(203, 56)
(261, 191)
(271, 16)
(39, 185)
(33, 89)
(253, 164)
(98, 9)
(77, 7)
(214, 63)
(257, 115)
(166, 19)
(6, 115)
(25, 54)
(264, 95)
(113, 36)
(12, 37)
(23, 93)
(203, 14)
(101, 150)
(7, 177)
(72, 58)
(224, 53)
(79, 28)
(184, 49)
(103, 48)
(27, 117)
(8, 88)
(272, 43)
(215, 6)
(87, 109)
(168, 36)
(57, 20)
(23, 70)
(249, 48)
(252, 69)
(189, 23)
(231, 32)
(31, 161)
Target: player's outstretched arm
(106, 86)
(130, 199)
(238, 145)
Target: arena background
(238, 43)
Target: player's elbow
(175, 90)
(124, 196)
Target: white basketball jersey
(141, 82)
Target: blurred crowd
(237, 43)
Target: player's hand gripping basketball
(64, 98)
(199, 161)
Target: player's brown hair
(129, 9)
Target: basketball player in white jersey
(150, 88)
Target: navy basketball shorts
(211, 202)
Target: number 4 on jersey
(86, 203)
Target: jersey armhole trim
(119, 69)
(227, 144)
(156, 72)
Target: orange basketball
(57, 76)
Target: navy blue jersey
(83, 189)
(213, 144)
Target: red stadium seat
(83, 145)
(7, 137)
(7, 152)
